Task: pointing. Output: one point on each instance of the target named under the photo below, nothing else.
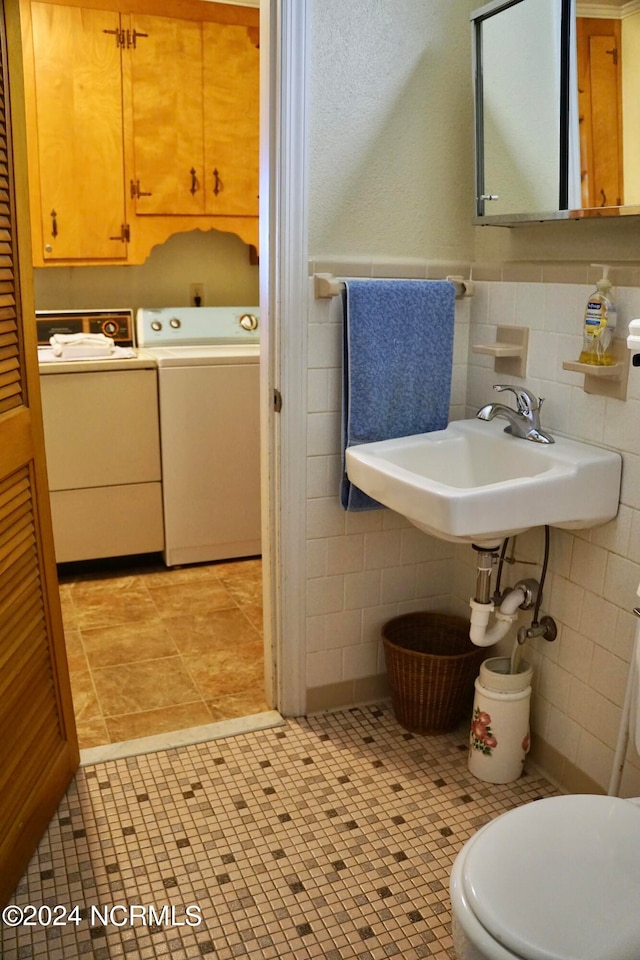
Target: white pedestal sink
(474, 483)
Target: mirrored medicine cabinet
(557, 110)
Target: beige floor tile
(208, 633)
(92, 732)
(119, 623)
(251, 567)
(146, 685)
(76, 656)
(85, 700)
(96, 606)
(163, 720)
(254, 613)
(187, 599)
(231, 671)
(231, 706)
(105, 582)
(244, 583)
(128, 643)
(69, 617)
(173, 575)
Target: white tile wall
(593, 574)
(362, 568)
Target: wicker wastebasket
(431, 668)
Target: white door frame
(284, 310)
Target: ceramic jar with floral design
(499, 735)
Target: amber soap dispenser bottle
(599, 323)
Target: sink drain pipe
(482, 606)
(525, 595)
(505, 615)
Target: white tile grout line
(180, 738)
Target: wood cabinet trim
(180, 9)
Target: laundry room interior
(154, 649)
(154, 644)
(239, 715)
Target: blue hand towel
(398, 358)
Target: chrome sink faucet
(524, 421)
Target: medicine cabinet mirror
(557, 85)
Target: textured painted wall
(219, 260)
(391, 128)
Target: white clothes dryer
(208, 394)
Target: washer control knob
(110, 328)
(156, 325)
(175, 323)
(248, 321)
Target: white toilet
(555, 879)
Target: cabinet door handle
(194, 181)
(54, 224)
(217, 183)
(118, 34)
(132, 37)
(136, 192)
(124, 235)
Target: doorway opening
(153, 650)
(108, 682)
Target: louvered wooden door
(38, 746)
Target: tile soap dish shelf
(509, 350)
(611, 372)
(607, 380)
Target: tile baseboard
(559, 770)
(348, 693)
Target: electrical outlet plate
(196, 294)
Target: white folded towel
(68, 345)
(46, 355)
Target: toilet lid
(559, 879)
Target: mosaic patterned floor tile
(329, 837)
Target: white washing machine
(208, 386)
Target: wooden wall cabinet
(80, 206)
(167, 102)
(231, 65)
(139, 126)
(195, 118)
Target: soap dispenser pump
(599, 323)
